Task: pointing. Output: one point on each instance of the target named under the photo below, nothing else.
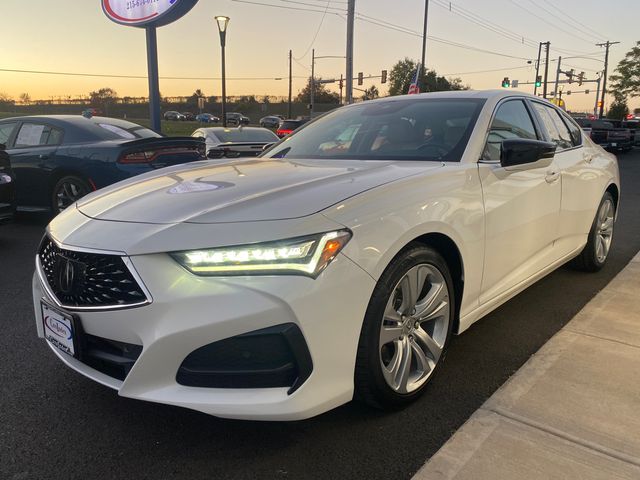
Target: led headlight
(296, 256)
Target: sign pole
(154, 87)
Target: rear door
(522, 205)
(581, 189)
(32, 154)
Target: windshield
(405, 129)
(235, 135)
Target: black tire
(370, 384)
(588, 260)
(67, 191)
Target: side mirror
(215, 153)
(522, 151)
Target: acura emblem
(66, 275)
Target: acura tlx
(337, 265)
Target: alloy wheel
(605, 230)
(68, 192)
(414, 328)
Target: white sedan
(338, 264)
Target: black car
(189, 116)
(59, 158)
(236, 119)
(7, 191)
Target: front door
(522, 205)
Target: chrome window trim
(127, 262)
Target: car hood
(241, 191)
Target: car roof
(453, 94)
(226, 129)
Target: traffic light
(568, 92)
(360, 78)
(539, 81)
(599, 103)
(506, 82)
(570, 74)
(383, 77)
(587, 91)
(580, 78)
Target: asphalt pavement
(54, 423)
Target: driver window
(512, 120)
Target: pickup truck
(634, 126)
(608, 134)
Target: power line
(484, 23)
(287, 7)
(142, 77)
(571, 17)
(487, 71)
(317, 31)
(537, 5)
(549, 22)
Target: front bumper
(189, 312)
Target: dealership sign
(142, 13)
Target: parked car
(173, 115)
(57, 159)
(609, 134)
(236, 119)
(207, 118)
(338, 264)
(288, 126)
(270, 121)
(7, 186)
(235, 142)
(188, 116)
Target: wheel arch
(615, 193)
(449, 250)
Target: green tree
(626, 81)
(618, 109)
(371, 93)
(103, 99)
(320, 93)
(25, 98)
(403, 71)
(6, 102)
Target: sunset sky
(75, 36)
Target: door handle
(552, 176)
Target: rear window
(290, 124)
(114, 129)
(235, 135)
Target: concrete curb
(572, 411)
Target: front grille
(84, 280)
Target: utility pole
(424, 44)
(555, 87)
(604, 75)
(595, 107)
(546, 69)
(535, 84)
(290, 77)
(351, 15)
(313, 81)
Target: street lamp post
(222, 28)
